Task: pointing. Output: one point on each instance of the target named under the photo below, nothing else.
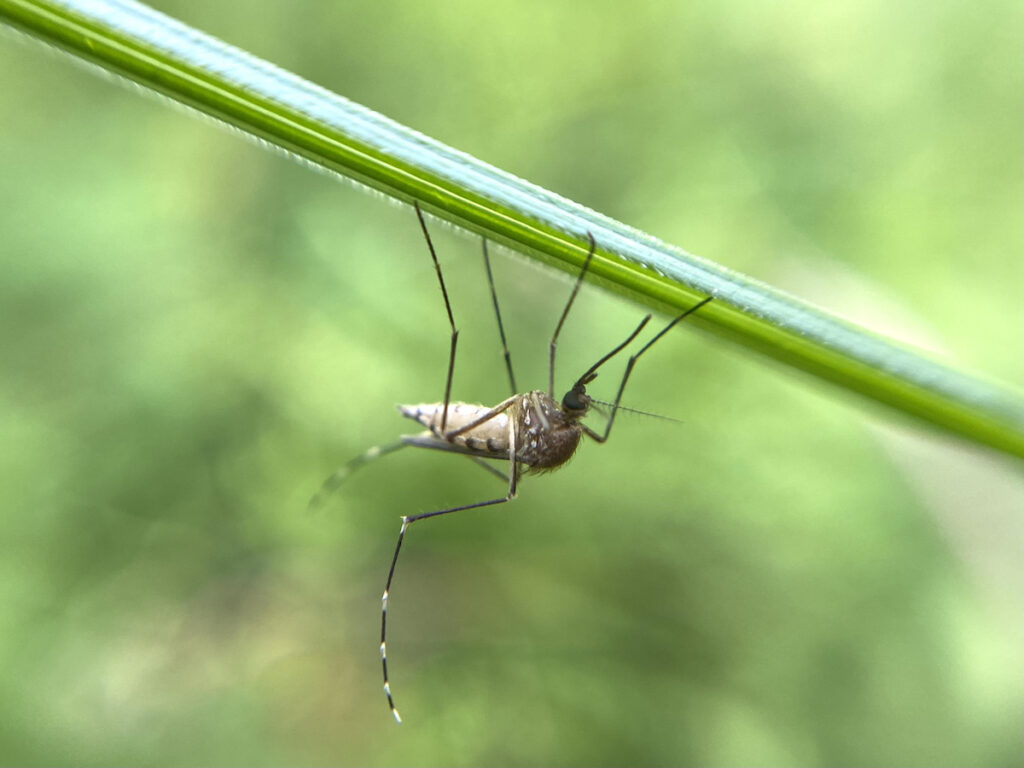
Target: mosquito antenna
(595, 403)
(451, 319)
(501, 327)
(632, 362)
(565, 312)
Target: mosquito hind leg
(331, 484)
(407, 520)
(451, 318)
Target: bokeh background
(196, 331)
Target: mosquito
(531, 431)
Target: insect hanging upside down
(531, 431)
(545, 435)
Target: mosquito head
(576, 401)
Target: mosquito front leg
(565, 313)
(407, 520)
(451, 318)
(629, 369)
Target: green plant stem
(331, 132)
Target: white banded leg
(407, 520)
(331, 483)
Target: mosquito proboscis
(531, 431)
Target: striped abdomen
(545, 437)
(489, 439)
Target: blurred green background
(195, 332)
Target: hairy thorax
(547, 438)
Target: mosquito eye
(574, 401)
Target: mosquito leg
(451, 318)
(565, 312)
(331, 483)
(629, 370)
(586, 378)
(501, 327)
(483, 464)
(407, 520)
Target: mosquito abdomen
(491, 437)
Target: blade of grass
(153, 50)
